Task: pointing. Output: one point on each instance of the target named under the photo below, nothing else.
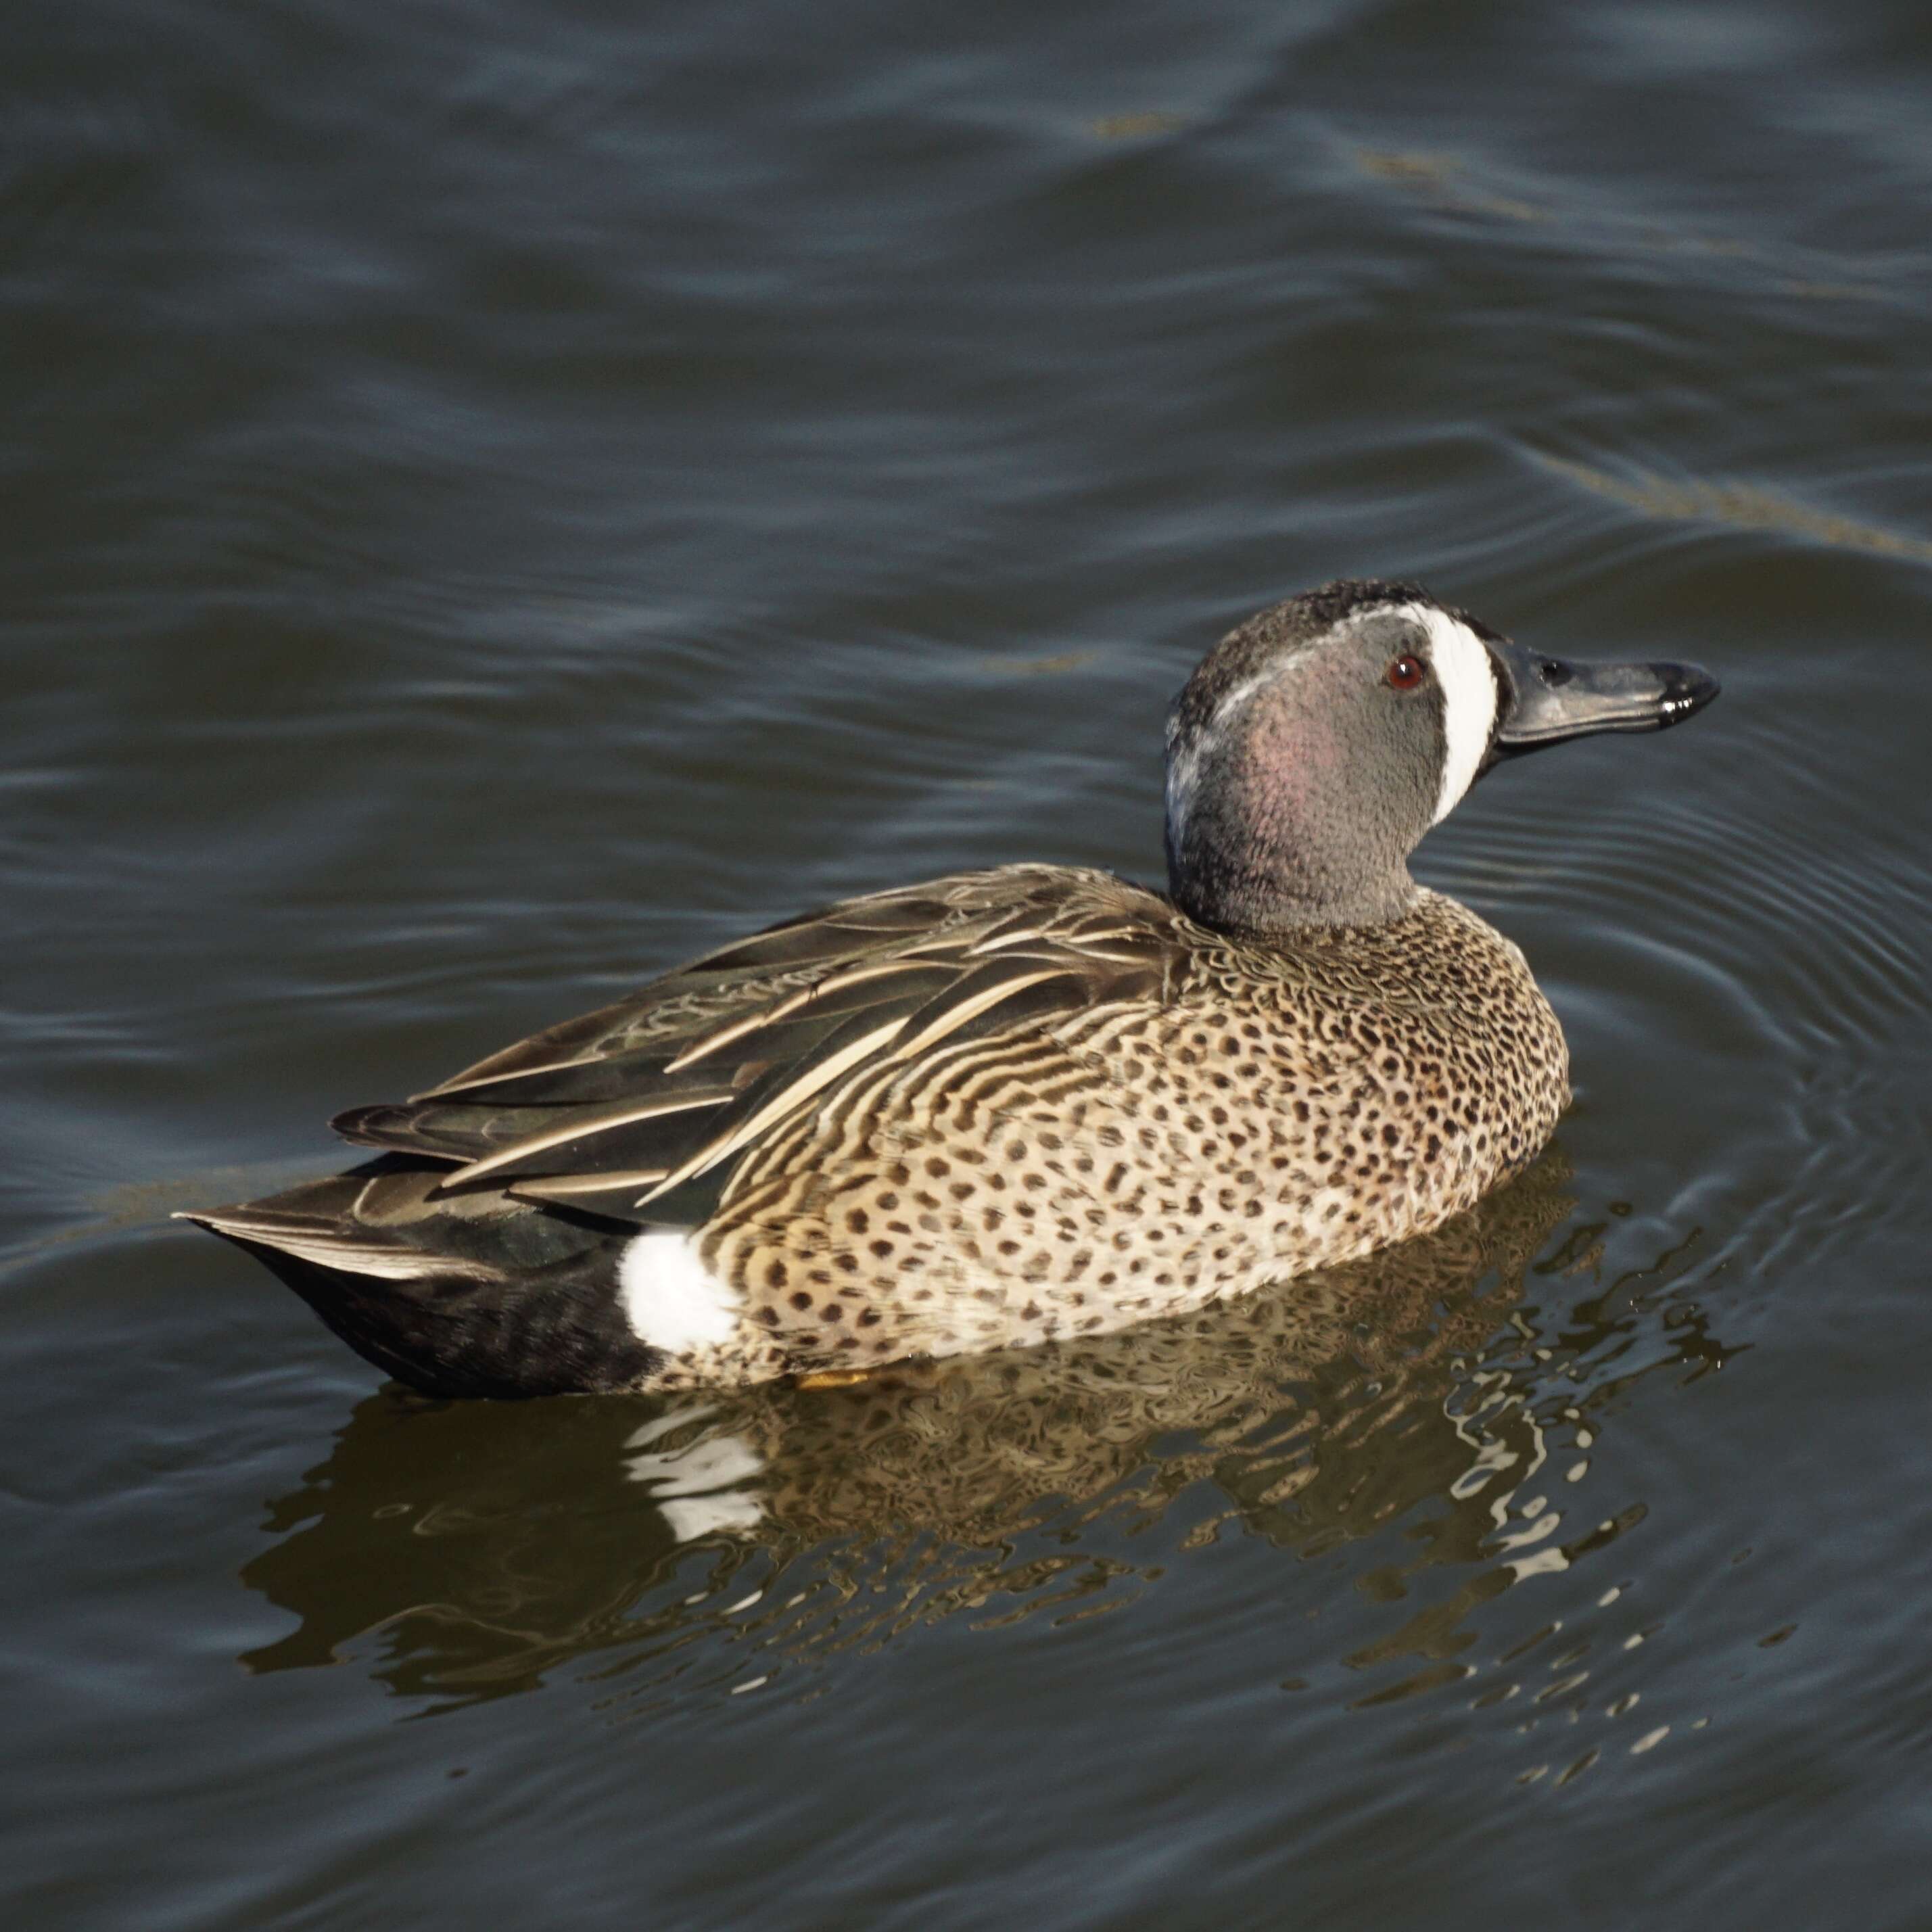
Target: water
(501, 497)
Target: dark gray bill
(1546, 700)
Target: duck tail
(396, 1276)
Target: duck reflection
(484, 1544)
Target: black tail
(478, 1295)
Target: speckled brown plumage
(1267, 1110)
(1079, 1108)
(967, 1446)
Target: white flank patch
(1467, 677)
(671, 1300)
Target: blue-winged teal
(1012, 1105)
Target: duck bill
(1546, 700)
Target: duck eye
(1406, 673)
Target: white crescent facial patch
(1470, 698)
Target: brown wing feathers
(616, 1108)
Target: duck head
(1318, 742)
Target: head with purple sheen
(1318, 742)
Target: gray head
(1318, 742)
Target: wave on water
(1740, 506)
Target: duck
(1011, 1106)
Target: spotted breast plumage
(1012, 1105)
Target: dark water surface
(499, 497)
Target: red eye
(1406, 673)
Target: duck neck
(1269, 830)
(1250, 891)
